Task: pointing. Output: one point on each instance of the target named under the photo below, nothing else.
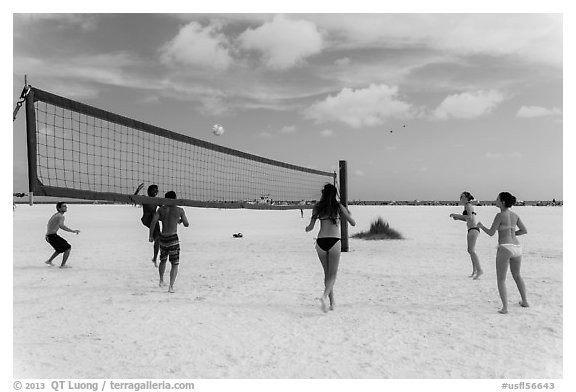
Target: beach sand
(248, 308)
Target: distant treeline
(19, 198)
(448, 203)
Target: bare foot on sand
(524, 304)
(170, 289)
(478, 275)
(49, 263)
(503, 311)
(323, 305)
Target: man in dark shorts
(59, 244)
(170, 216)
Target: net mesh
(87, 153)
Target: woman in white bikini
(509, 250)
(329, 211)
(469, 216)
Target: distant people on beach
(170, 216)
(59, 244)
(329, 212)
(148, 211)
(509, 249)
(469, 216)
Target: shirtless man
(170, 216)
(59, 244)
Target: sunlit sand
(248, 307)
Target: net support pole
(344, 200)
(31, 144)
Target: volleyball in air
(217, 129)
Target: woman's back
(507, 228)
(329, 227)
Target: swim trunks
(59, 244)
(170, 248)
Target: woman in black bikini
(469, 216)
(329, 211)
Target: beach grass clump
(379, 230)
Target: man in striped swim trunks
(169, 216)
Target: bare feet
(323, 305)
(49, 263)
(161, 283)
(478, 275)
(503, 311)
(170, 289)
(524, 304)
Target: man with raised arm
(59, 244)
(170, 217)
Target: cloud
(288, 129)
(502, 155)
(264, 134)
(358, 108)
(86, 22)
(531, 37)
(284, 43)
(342, 62)
(198, 46)
(327, 133)
(78, 76)
(468, 105)
(537, 111)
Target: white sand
(248, 308)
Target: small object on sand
(237, 235)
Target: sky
(422, 106)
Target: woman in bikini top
(509, 251)
(329, 211)
(469, 216)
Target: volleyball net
(82, 152)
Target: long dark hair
(328, 206)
